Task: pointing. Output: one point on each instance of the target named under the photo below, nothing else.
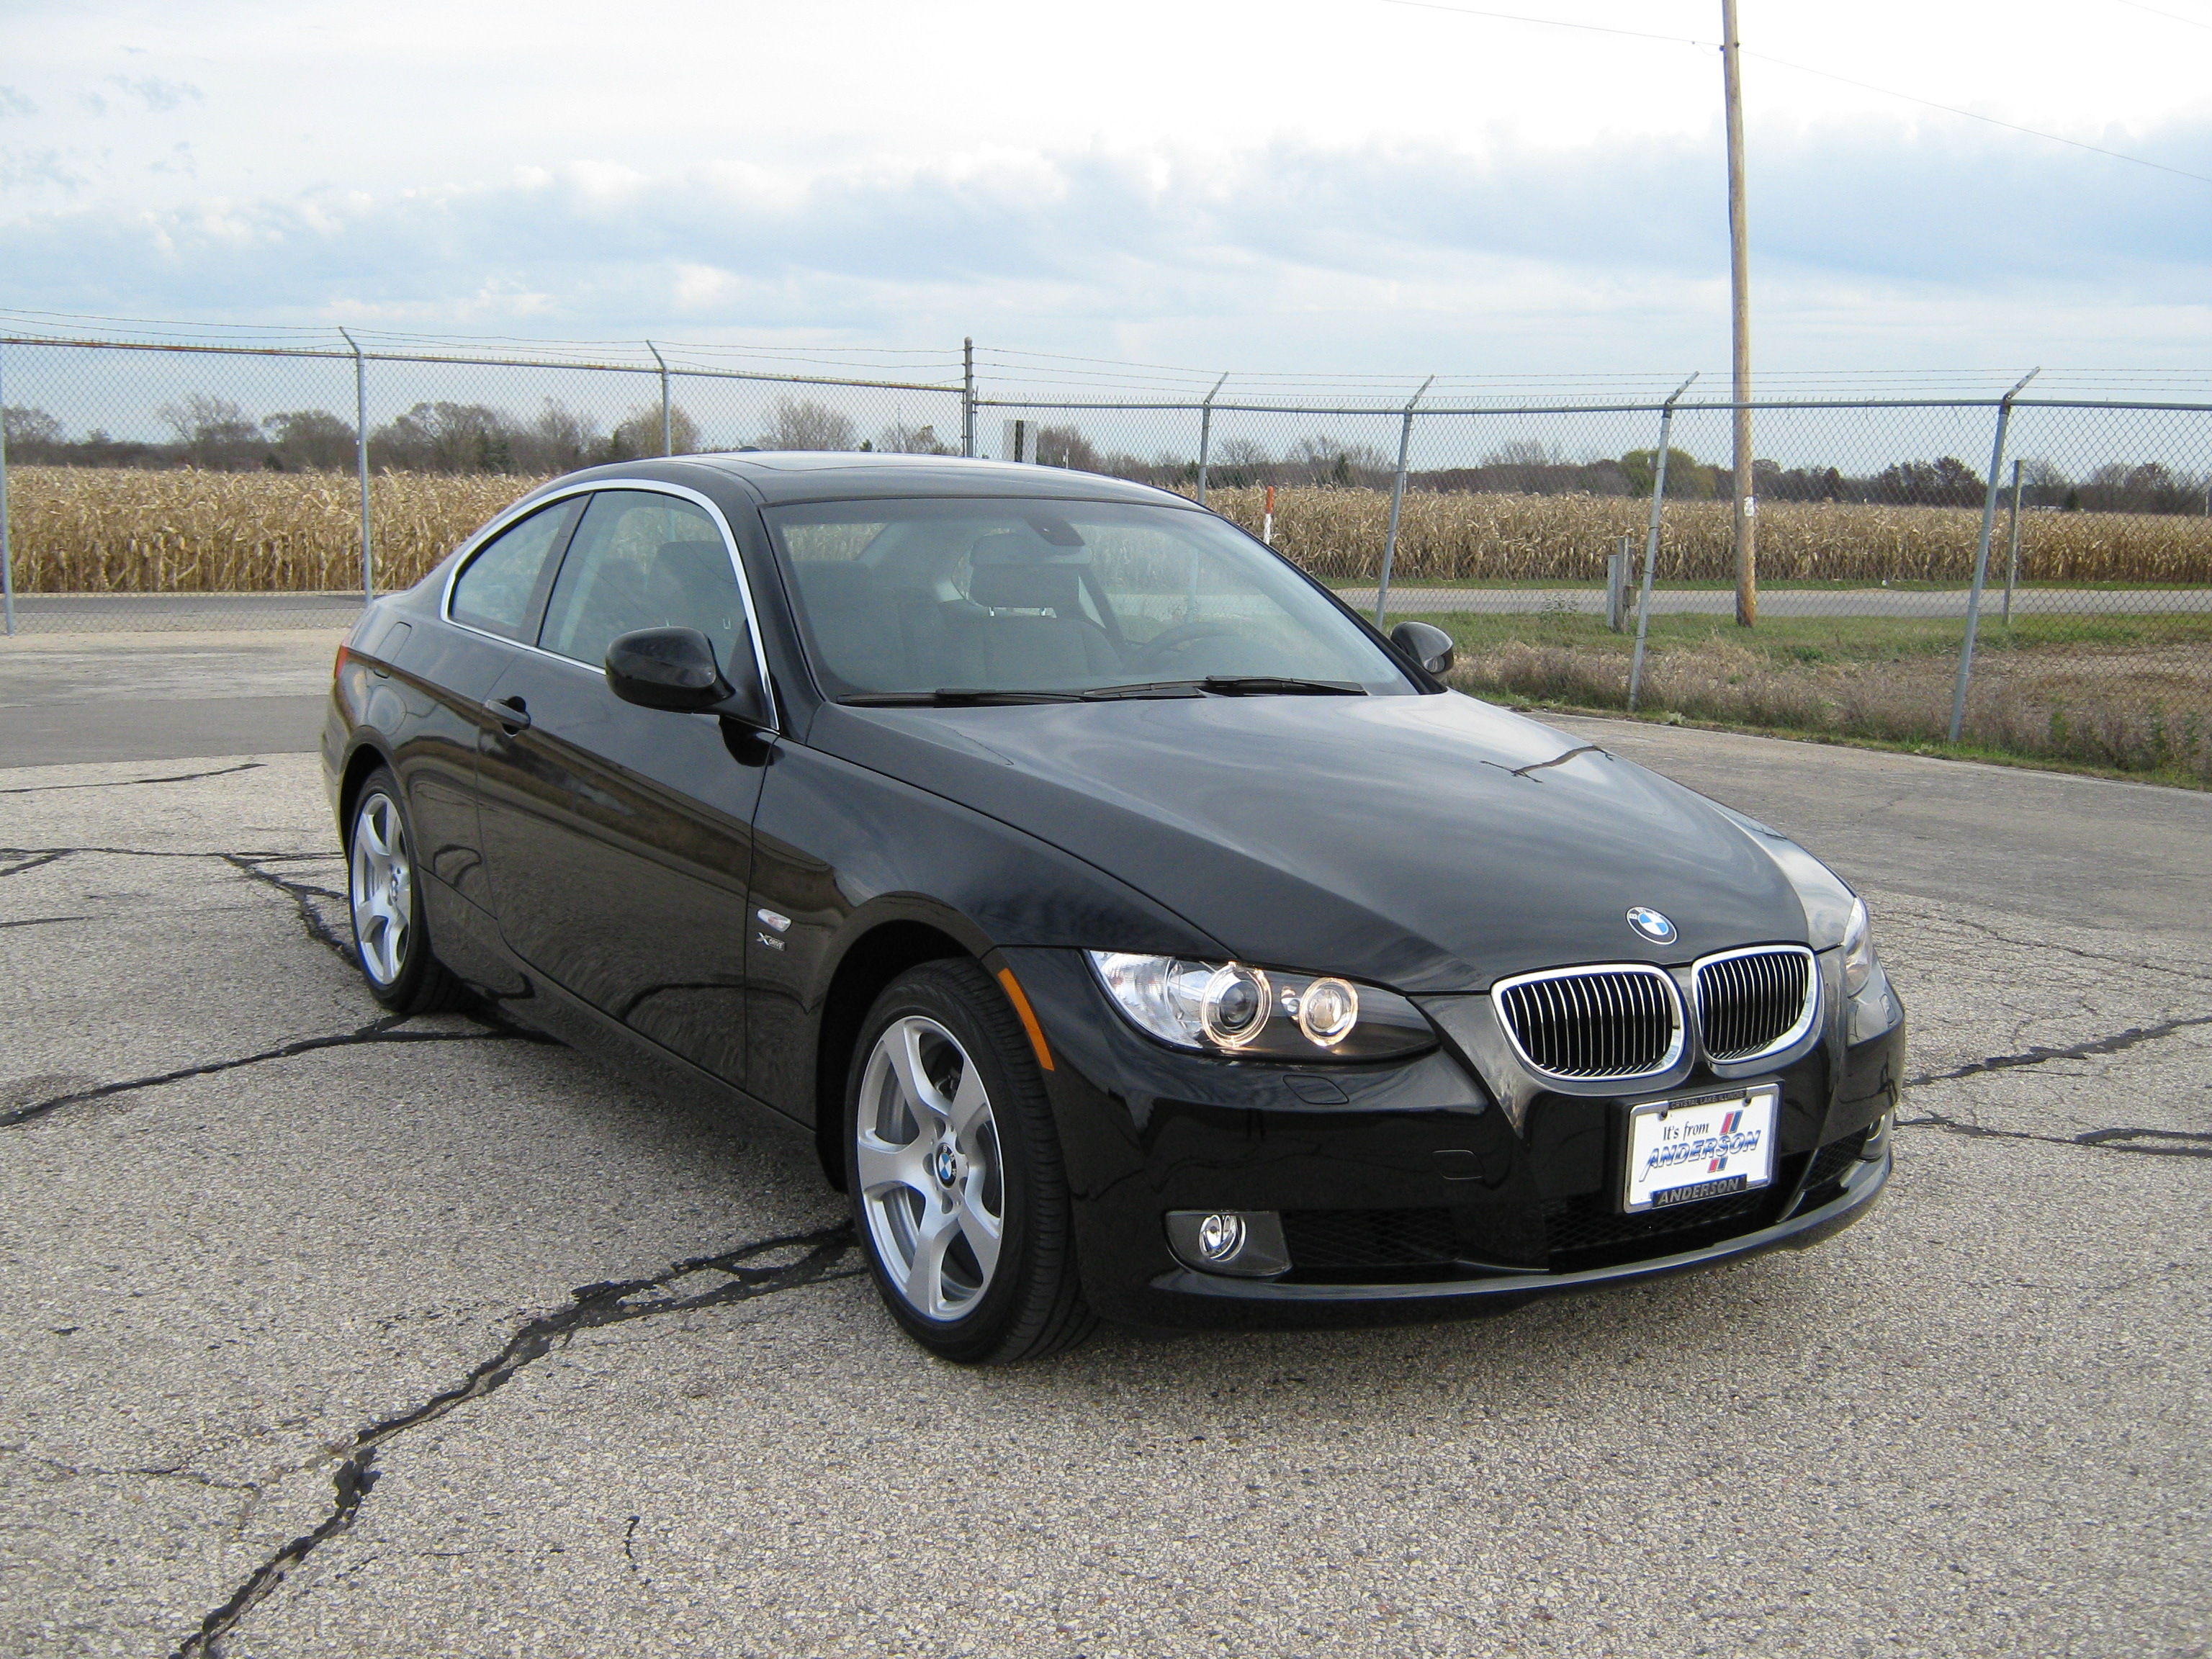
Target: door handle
(511, 713)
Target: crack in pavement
(31, 864)
(1940, 919)
(125, 783)
(2117, 1140)
(247, 864)
(380, 1030)
(43, 921)
(591, 1307)
(151, 1472)
(2038, 1055)
(301, 893)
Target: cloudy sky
(1304, 185)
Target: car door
(496, 600)
(618, 840)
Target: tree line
(217, 435)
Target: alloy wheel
(382, 888)
(932, 1181)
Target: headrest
(694, 563)
(1038, 586)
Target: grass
(2124, 695)
(1994, 589)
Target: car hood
(1432, 843)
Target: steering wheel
(1174, 639)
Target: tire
(933, 1168)
(391, 941)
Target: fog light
(1877, 1140)
(1247, 1243)
(1221, 1236)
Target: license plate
(1706, 1146)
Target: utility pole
(1746, 505)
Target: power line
(1952, 109)
(1829, 75)
(2176, 16)
(1550, 22)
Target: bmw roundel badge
(1650, 923)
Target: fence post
(1651, 545)
(968, 398)
(2012, 555)
(1982, 556)
(667, 439)
(1397, 500)
(361, 462)
(1206, 434)
(7, 558)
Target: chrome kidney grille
(1593, 1021)
(1754, 1002)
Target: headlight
(1231, 1008)
(1858, 949)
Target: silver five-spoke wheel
(933, 1184)
(382, 888)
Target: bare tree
(803, 423)
(309, 440)
(445, 437)
(33, 434)
(900, 438)
(640, 435)
(214, 432)
(1063, 446)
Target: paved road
(260, 1243)
(1800, 602)
(156, 695)
(132, 613)
(37, 614)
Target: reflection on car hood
(1433, 843)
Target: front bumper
(1413, 1196)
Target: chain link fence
(2043, 591)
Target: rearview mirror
(674, 668)
(1426, 644)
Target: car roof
(782, 477)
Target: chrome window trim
(523, 508)
(1676, 1049)
(1808, 1017)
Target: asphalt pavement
(333, 1336)
(157, 695)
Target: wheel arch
(366, 758)
(872, 960)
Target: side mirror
(1426, 644)
(674, 668)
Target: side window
(644, 560)
(497, 591)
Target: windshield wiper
(1144, 689)
(1228, 685)
(1270, 685)
(953, 696)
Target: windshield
(1010, 596)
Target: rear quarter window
(499, 589)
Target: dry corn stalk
(101, 530)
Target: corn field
(100, 530)
(1338, 534)
(90, 530)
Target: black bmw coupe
(1136, 931)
